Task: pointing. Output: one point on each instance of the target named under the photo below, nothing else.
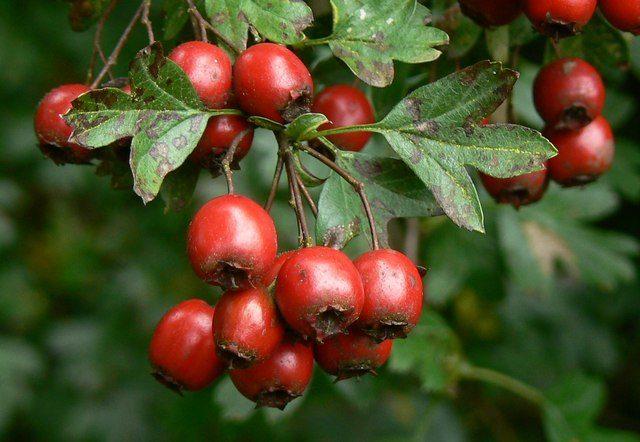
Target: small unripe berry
(272, 82)
(355, 354)
(490, 13)
(559, 18)
(231, 242)
(246, 327)
(583, 155)
(52, 130)
(622, 14)
(182, 350)
(319, 292)
(219, 135)
(209, 69)
(278, 380)
(519, 190)
(392, 294)
(569, 93)
(345, 105)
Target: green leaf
(434, 131)
(176, 15)
(369, 34)
(178, 187)
(625, 172)
(265, 123)
(280, 21)
(304, 125)
(84, 13)
(579, 398)
(464, 37)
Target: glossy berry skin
(278, 380)
(219, 136)
(490, 13)
(583, 155)
(272, 82)
(231, 242)
(271, 275)
(345, 105)
(52, 130)
(209, 69)
(392, 294)
(182, 350)
(246, 327)
(559, 18)
(319, 292)
(355, 354)
(569, 93)
(624, 15)
(519, 190)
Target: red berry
(246, 327)
(271, 275)
(392, 294)
(569, 93)
(355, 354)
(209, 69)
(231, 242)
(559, 18)
(219, 135)
(345, 105)
(319, 292)
(583, 154)
(623, 14)
(272, 82)
(519, 190)
(182, 351)
(52, 130)
(126, 89)
(490, 13)
(278, 380)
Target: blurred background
(549, 296)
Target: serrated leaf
(280, 21)
(304, 126)
(176, 15)
(368, 35)
(392, 189)
(434, 132)
(84, 13)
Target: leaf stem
(346, 129)
(274, 183)
(307, 196)
(313, 41)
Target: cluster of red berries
(279, 312)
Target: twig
(274, 184)
(197, 21)
(556, 48)
(146, 22)
(113, 58)
(204, 25)
(357, 185)
(97, 42)
(307, 195)
(228, 157)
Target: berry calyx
(278, 380)
(490, 13)
(218, 137)
(345, 105)
(559, 18)
(246, 327)
(182, 350)
(569, 93)
(319, 292)
(519, 190)
(352, 355)
(624, 15)
(583, 155)
(392, 294)
(208, 68)
(231, 242)
(272, 82)
(52, 130)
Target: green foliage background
(549, 296)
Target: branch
(97, 42)
(228, 157)
(274, 184)
(204, 25)
(285, 151)
(307, 195)
(146, 22)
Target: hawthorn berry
(490, 13)
(231, 242)
(219, 135)
(519, 190)
(278, 380)
(271, 275)
(208, 68)
(319, 292)
(583, 154)
(392, 294)
(182, 350)
(624, 15)
(345, 105)
(355, 354)
(559, 18)
(272, 82)
(52, 130)
(246, 327)
(569, 92)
